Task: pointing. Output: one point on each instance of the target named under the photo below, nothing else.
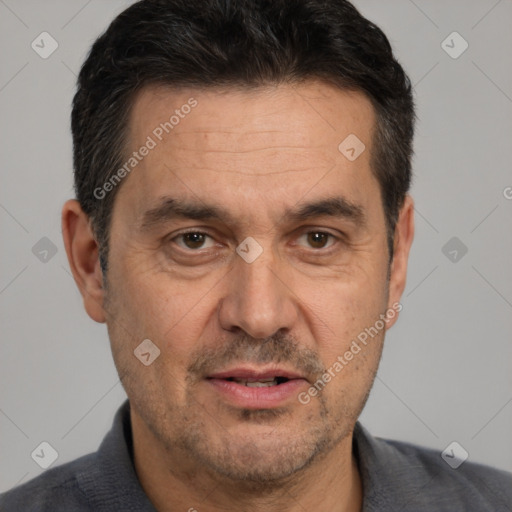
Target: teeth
(261, 384)
(257, 383)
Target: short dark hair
(239, 43)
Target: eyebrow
(337, 207)
(172, 208)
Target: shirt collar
(111, 483)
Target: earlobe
(83, 258)
(404, 235)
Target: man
(242, 226)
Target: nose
(258, 299)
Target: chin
(253, 457)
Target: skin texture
(299, 305)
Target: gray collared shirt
(396, 477)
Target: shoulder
(57, 489)
(421, 478)
(479, 478)
(101, 481)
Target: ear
(404, 235)
(83, 258)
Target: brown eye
(317, 239)
(193, 240)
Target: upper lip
(240, 372)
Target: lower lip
(257, 398)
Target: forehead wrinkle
(246, 173)
(252, 150)
(278, 161)
(236, 131)
(242, 142)
(287, 159)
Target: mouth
(257, 389)
(259, 383)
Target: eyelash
(324, 249)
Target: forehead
(308, 114)
(270, 140)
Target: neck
(172, 481)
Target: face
(252, 252)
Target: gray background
(446, 370)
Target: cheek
(342, 309)
(351, 349)
(148, 297)
(343, 327)
(172, 319)
(174, 314)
